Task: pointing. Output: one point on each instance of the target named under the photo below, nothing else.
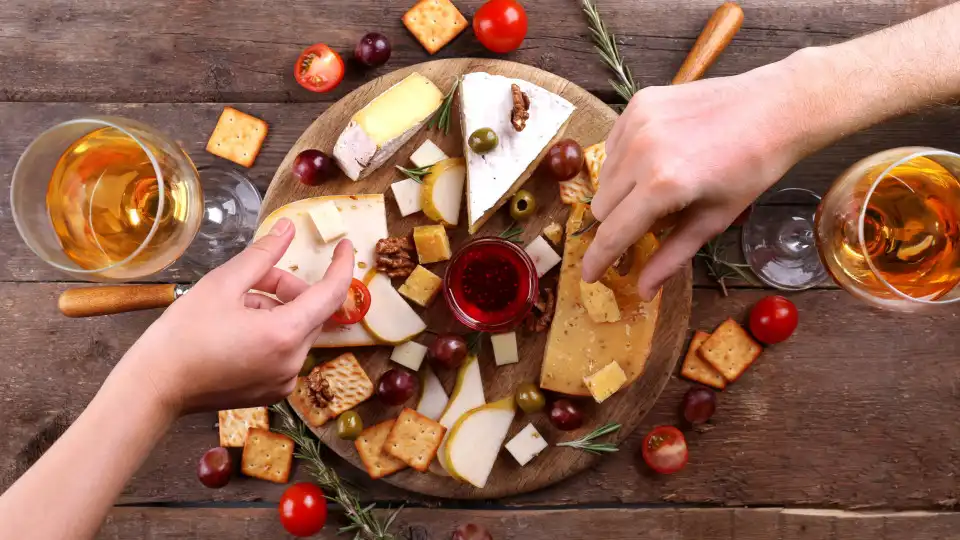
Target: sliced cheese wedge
(379, 129)
(364, 218)
(390, 319)
(493, 177)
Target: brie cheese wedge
(486, 101)
(379, 129)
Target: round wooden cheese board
(590, 124)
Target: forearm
(85, 470)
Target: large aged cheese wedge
(365, 219)
(577, 346)
(486, 101)
(378, 130)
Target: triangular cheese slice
(486, 101)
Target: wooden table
(847, 431)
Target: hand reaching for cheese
(222, 346)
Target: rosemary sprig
(441, 118)
(416, 174)
(512, 234)
(363, 522)
(720, 269)
(586, 442)
(606, 45)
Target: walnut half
(521, 108)
(319, 388)
(396, 256)
(541, 315)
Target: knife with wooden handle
(111, 299)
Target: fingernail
(280, 227)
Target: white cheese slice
(486, 101)
(409, 355)
(427, 154)
(543, 256)
(525, 445)
(408, 193)
(433, 398)
(380, 128)
(326, 218)
(505, 348)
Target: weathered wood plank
(610, 524)
(852, 412)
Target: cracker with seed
(696, 369)
(267, 456)
(348, 383)
(237, 137)
(414, 439)
(370, 445)
(730, 350)
(434, 23)
(234, 423)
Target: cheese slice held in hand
(390, 318)
(486, 101)
(378, 130)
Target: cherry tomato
(303, 510)
(665, 449)
(319, 68)
(356, 306)
(773, 319)
(500, 25)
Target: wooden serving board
(590, 124)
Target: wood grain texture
(590, 124)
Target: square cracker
(234, 423)
(730, 350)
(267, 456)
(414, 439)
(696, 369)
(348, 382)
(434, 23)
(237, 137)
(370, 446)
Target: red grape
(699, 404)
(564, 159)
(471, 531)
(448, 351)
(313, 167)
(372, 50)
(565, 415)
(215, 467)
(396, 386)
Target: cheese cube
(407, 192)
(505, 348)
(605, 382)
(525, 445)
(544, 257)
(421, 286)
(409, 355)
(600, 302)
(427, 154)
(326, 218)
(432, 243)
(554, 233)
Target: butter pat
(408, 193)
(505, 348)
(526, 445)
(409, 355)
(600, 302)
(326, 218)
(605, 382)
(427, 154)
(421, 286)
(543, 256)
(433, 244)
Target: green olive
(483, 140)
(349, 425)
(530, 398)
(309, 363)
(523, 205)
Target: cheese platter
(422, 205)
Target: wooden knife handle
(107, 300)
(716, 35)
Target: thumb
(250, 265)
(314, 306)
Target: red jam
(490, 285)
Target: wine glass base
(778, 240)
(231, 204)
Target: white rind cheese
(408, 194)
(525, 446)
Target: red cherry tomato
(356, 306)
(665, 449)
(303, 510)
(500, 25)
(319, 68)
(773, 319)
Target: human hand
(221, 346)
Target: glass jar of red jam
(490, 285)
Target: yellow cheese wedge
(605, 382)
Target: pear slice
(390, 319)
(467, 394)
(433, 398)
(442, 191)
(475, 441)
